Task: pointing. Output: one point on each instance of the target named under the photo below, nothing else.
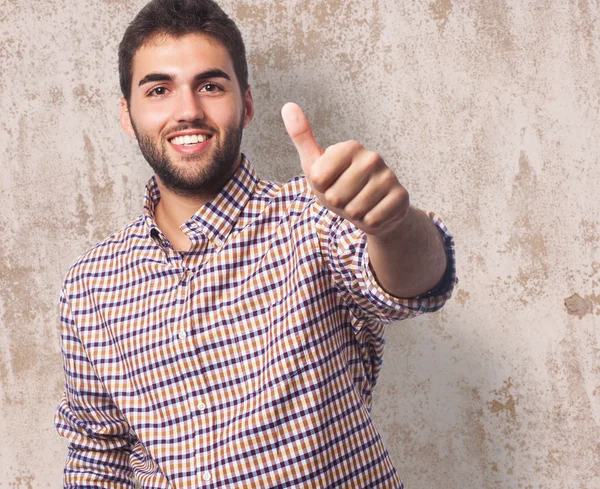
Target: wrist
(401, 228)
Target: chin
(208, 180)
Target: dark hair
(178, 18)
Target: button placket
(183, 292)
(204, 438)
(190, 271)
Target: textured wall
(489, 111)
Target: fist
(354, 183)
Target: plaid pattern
(248, 361)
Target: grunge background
(488, 110)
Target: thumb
(298, 128)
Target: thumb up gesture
(354, 183)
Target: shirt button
(206, 476)
(182, 335)
(201, 406)
(189, 274)
(218, 242)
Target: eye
(210, 88)
(158, 91)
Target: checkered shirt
(247, 362)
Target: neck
(174, 209)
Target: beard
(197, 174)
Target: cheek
(226, 114)
(151, 119)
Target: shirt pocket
(291, 354)
(286, 360)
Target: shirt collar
(217, 217)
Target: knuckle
(396, 195)
(372, 221)
(399, 205)
(373, 160)
(401, 197)
(317, 177)
(353, 213)
(334, 148)
(334, 198)
(389, 177)
(354, 146)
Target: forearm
(100, 437)
(106, 470)
(97, 456)
(411, 260)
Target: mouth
(189, 143)
(189, 139)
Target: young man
(231, 336)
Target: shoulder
(270, 197)
(296, 188)
(107, 256)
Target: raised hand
(354, 183)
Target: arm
(411, 261)
(406, 251)
(100, 441)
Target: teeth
(195, 138)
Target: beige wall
(488, 110)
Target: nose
(188, 106)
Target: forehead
(180, 56)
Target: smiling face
(187, 112)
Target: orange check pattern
(246, 362)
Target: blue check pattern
(247, 362)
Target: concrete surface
(488, 110)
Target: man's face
(187, 112)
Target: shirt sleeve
(100, 439)
(344, 248)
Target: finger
(389, 211)
(365, 201)
(298, 128)
(342, 181)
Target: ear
(125, 119)
(249, 106)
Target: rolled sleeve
(345, 251)
(430, 301)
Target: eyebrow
(154, 77)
